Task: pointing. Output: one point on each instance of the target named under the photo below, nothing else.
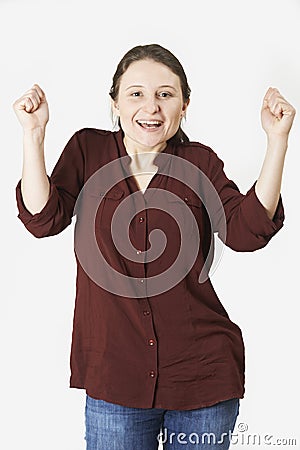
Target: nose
(151, 105)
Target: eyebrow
(159, 87)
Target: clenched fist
(277, 114)
(32, 109)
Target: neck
(135, 149)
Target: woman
(152, 344)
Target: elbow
(250, 244)
(38, 232)
(39, 235)
(44, 230)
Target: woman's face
(150, 105)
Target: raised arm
(33, 114)
(277, 117)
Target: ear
(115, 108)
(184, 107)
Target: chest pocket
(193, 202)
(113, 194)
(189, 199)
(187, 210)
(105, 204)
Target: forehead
(150, 73)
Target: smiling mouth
(149, 124)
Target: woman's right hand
(32, 109)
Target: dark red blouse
(149, 329)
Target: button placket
(150, 342)
(139, 243)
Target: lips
(149, 124)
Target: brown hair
(158, 54)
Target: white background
(232, 52)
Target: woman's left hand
(277, 114)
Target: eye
(136, 94)
(164, 94)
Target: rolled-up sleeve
(66, 181)
(248, 227)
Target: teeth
(149, 122)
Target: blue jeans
(114, 427)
